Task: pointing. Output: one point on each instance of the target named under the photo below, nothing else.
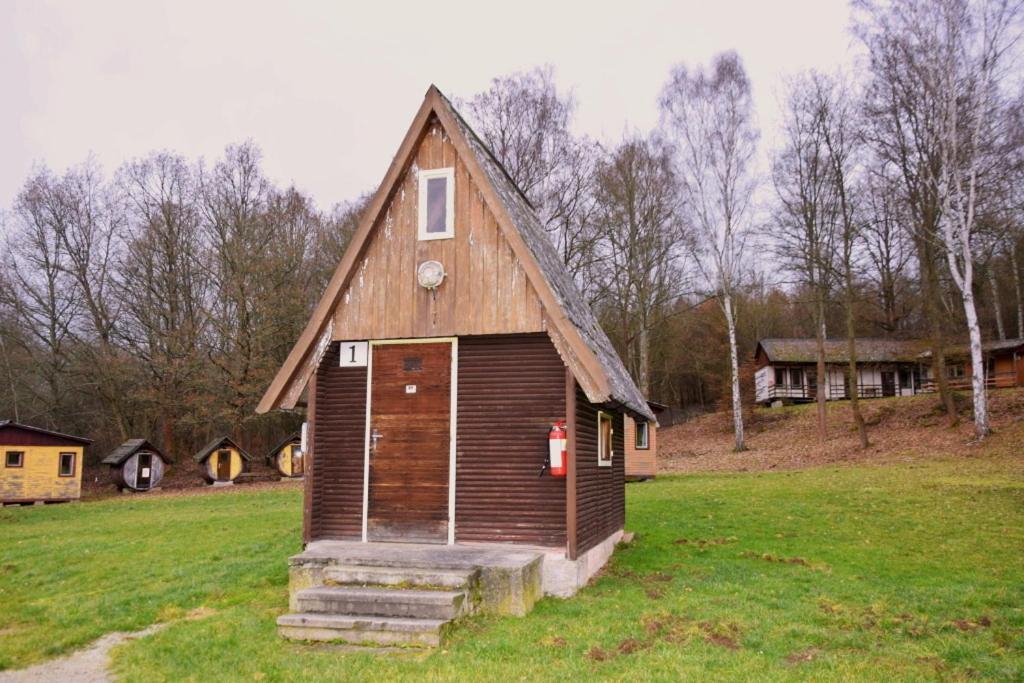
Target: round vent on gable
(430, 274)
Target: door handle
(374, 437)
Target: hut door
(296, 461)
(888, 383)
(410, 439)
(144, 472)
(224, 465)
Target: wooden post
(307, 461)
(570, 475)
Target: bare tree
(525, 121)
(806, 223)
(966, 50)
(888, 247)
(708, 113)
(642, 241)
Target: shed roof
(284, 442)
(575, 331)
(220, 442)
(130, 448)
(11, 424)
(869, 350)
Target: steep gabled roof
(574, 329)
(11, 424)
(868, 350)
(220, 442)
(130, 448)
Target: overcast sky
(328, 90)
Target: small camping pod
(39, 465)
(286, 457)
(137, 465)
(223, 460)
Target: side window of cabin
(67, 465)
(604, 439)
(437, 204)
(780, 376)
(642, 435)
(14, 459)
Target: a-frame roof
(574, 329)
(217, 443)
(130, 448)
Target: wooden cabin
(222, 461)
(786, 369)
(1004, 364)
(448, 342)
(286, 457)
(641, 441)
(137, 465)
(39, 465)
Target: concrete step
(362, 630)
(382, 602)
(421, 577)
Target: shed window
(14, 459)
(642, 435)
(437, 204)
(604, 439)
(67, 465)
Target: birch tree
(970, 44)
(708, 114)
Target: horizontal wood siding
(640, 462)
(485, 290)
(600, 491)
(339, 438)
(510, 389)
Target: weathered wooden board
(485, 291)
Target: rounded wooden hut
(287, 458)
(223, 461)
(137, 465)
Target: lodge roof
(994, 346)
(869, 350)
(11, 424)
(575, 331)
(130, 448)
(216, 443)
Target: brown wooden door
(296, 461)
(410, 413)
(224, 465)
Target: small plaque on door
(145, 471)
(410, 388)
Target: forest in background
(158, 299)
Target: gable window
(67, 465)
(437, 204)
(14, 459)
(604, 439)
(643, 435)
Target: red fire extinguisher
(557, 456)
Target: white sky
(328, 90)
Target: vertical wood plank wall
(511, 389)
(600, 491)
(485, 291)
(339, 438)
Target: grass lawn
(897, 572)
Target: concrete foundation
(564, 577)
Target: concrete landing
(403, 593)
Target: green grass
(903, 572)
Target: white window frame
(647, 435)
(449, 210)
(601, 415)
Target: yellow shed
(642, 446)
(287, 458)
(222, 460)
(39, 465)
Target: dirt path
(85, 666)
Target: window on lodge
(789, 377)
(604, 439)
(14, 459)
(642, 435)
(437, 204)
(67, 465)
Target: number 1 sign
(352, 354)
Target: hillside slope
(900, 429)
